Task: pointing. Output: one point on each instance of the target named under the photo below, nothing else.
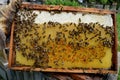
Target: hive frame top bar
(66, 8)
(71, 9)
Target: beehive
(57, 38)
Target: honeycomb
(56, 45)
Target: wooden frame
(113, 69)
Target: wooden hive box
(63, 39)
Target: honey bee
(60, 26)
(56, 63)
(76, 37)
(83, 14)
(100, 61)
(94, 36)
(74, 13)
(44, 36)
(43, 32)
(49, 38)
(52, 13)
(86, 44)
(79, 20)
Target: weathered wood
(101, 71)
(114, 57)
(67, 8)
(11, 60)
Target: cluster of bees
(52, 44)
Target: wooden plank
(100, 71)
(67, 8)
(115, 58)
(11, 60)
